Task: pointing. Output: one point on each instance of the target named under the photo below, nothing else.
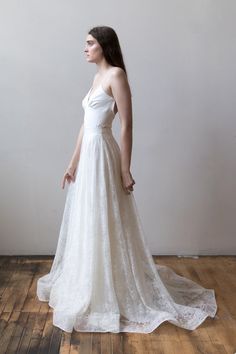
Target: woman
(112, 73)
(103, 278)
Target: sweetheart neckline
(99, 86)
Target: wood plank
(127, 343)
(117, 343)
(137, 343)
(75, 339)
(3, 321)
(37, 332)
(106, 346)
(85, 343)
(55, 341)
(45, 341)
(26, 334)
(66, 343)
(96, 343)
(8, 330)
(17, 333)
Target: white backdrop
(180, 56)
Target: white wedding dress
(103, 277)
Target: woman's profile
(103, 277)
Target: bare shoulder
(117, 73)
(119, 84)
(118, 79)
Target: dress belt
(97, 130)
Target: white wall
(180, 57)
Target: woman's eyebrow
(90, 40)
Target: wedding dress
(103, 277)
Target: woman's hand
(127, 181)
(69, 176)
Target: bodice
(99, 111)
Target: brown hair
(108, 40)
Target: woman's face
(93, 49)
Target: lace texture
(103, 277)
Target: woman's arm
(69, 175)
(75, 157)
(122, 95)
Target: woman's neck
(102, 67)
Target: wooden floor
(26, 323)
